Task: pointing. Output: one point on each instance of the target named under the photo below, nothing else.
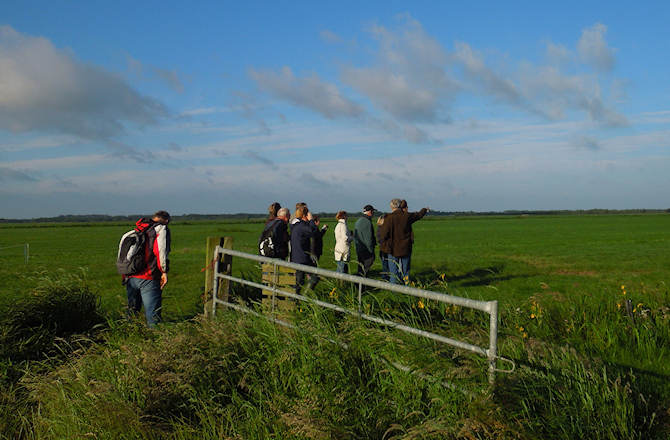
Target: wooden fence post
(224, 287)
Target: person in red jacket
(397, 238)
(146, 287)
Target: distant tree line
(97, 218)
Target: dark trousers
(300, 280)
(365, 260)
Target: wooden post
(225, 265)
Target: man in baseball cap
(365, 241)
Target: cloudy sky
(129, 107)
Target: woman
(303, 231)
(343, 239)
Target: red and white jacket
(156, 253)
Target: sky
(223, 107)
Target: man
(281, 237)
(146, 287)
(398, 236)
(365, 241)
(274, 239)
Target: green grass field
(504, 258)
(584, 316)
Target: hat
(368, 208)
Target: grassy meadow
(584, 316)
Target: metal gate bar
(490, 307)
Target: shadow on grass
(478, 277)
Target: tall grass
(236, 377)
(587, 367)
(240, 376)
(37, 333)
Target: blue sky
(224, 107)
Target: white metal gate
(490, 307)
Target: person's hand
(163, 280)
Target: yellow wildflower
(420, 305)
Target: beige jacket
(343, 239)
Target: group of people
(303, 243)
(297, 237)
(300, 238)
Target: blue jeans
(385, 265)
(342, 266)
(399, 269)
(147, 293)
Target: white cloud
(593, 48)
(308, 92)
(492, 84)
(412, 79)
(43, 88)
(409, 78)
(558, 55)
(554, 94)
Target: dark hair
(162, 215)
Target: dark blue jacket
(301, 234)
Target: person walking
(397, 236)
(146, 287)
(364, 240)
(343, 239)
